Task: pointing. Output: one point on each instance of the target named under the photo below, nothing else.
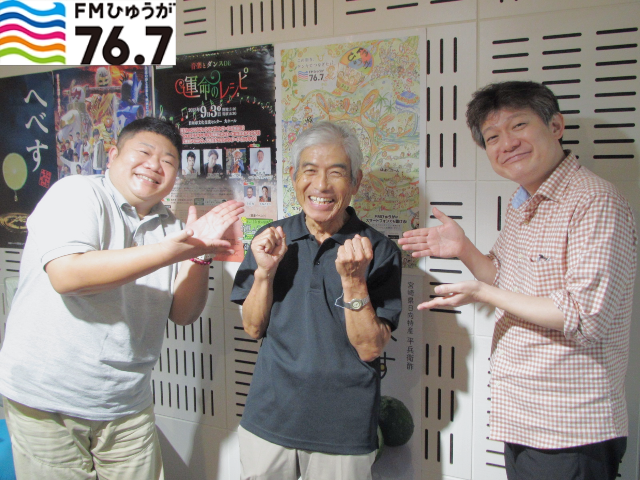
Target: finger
(226, 207)
(419, 232)
(367, 248)
(192, 216)
(223, 245)
(181, 236)
(429, 305)
(358, 249)
(414, 247)
(415, 238)
(349, 250)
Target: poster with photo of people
(223, 103)
(191, 163)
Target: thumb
(181, 236)
(441, 216)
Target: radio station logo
(36, 35)
(75, 32)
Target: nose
(320, 181)
(510, 142)
(153, 163)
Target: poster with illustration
(223, 103)
(27, 151)
(93, 104)
(372, 85)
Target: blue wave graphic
(58, 9)
(33, 23)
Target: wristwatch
(356, 304)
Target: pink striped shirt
(573, 241)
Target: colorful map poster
(373, 86)
(27, 151)
(223, 103)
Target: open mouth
(147, 179)
(321, 201)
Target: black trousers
(596, 461)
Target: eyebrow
(510, 117)
(153, 147)
(335, 165)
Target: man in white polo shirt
(105, 264)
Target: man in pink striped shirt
(561, 277)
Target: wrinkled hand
(446, 240)
(353, 259)
(454, 295)
(269, 248)
(205, 233)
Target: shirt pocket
(545, 274)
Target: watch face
(356, 304)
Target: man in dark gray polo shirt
(322, 289)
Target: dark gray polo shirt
(310, 390)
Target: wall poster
(373, 86)
(27, 151)
(93, 106)
(223, 103)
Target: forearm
(256, 309)
(101, 270)
(367, 332)
(540, 311)
(478, 263)
(191, 292)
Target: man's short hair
(191, 154)
(153, 125)
(509, 95)
(329, 133)
(213, 152)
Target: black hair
(510, 95)
(153, 125)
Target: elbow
(254, 332)
(183, 321)
(68, 289)
(369, 355)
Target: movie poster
(93, 106)
(223, 103)
(27, 150)
(371, 85)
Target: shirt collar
(158, 209)
(554, 186)
(300, 230)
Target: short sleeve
(385, 284)
(67, 220)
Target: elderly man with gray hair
(322, 291)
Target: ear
(556, 125)
(113, 153)
(356, 187)
(291, 174)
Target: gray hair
(510, 95)
(329, 133)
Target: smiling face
(249, 192)
(324, 187)
(260, 155)
(521, 147)
(144, 169)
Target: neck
(322, 231)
